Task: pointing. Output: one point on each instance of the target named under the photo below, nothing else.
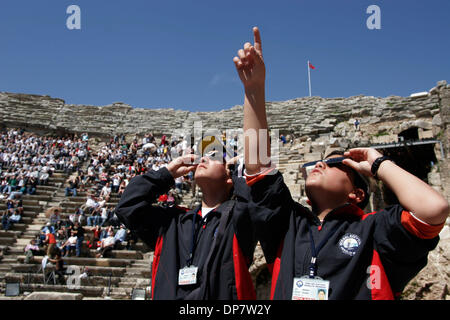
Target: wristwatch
(376, 165)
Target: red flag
(311, 66)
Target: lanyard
(195, 232)
(315, 250)
(193, 240)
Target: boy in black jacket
(335, 251)
(203, 253)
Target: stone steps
(102, 271)
(82, 261)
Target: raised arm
(135, 207)
(252, 72)
(413, 194)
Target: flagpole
(309, 79)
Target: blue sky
(178, 54)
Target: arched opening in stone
(409, 134)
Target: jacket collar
(345, 211)
(190, 213)
(196, 210)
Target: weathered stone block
(54, 296)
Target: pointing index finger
(257, 39)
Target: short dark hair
(358, 181)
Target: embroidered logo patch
(349, 244)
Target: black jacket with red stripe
(222, 264)
(370, 256)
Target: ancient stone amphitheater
(413, 130)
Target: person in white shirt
(106, 191)
(107, 245)
(70, 245)
(91, 203)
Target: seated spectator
(91, 203)
(106, 215)
(105, 233)
(15, 217)
(10, 204)
(121, 235)
(31, 250)
(31, 185)
(19, 205)
(6, 224)
(3, 185)
(55, 218)
(107, 244)
(15, 195)
(106, 191)
(92, 242)
(72, 188)
(21, 184)
(69, 247)
(43, 178)
(115, 183)
(94, 219)
(74, 217)
(61, 237)
(12, 184)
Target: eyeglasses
(335, 162)
(331, 162)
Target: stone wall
(309, 116)
(315, 125)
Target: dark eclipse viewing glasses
(360, 180)
(331, 162)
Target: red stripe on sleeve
(418, 228)
(252, 180)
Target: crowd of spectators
(28, 160)
(117, 162)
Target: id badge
(187, 275)
(306, 288)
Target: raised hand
(250, 63)
(361, 159)
(182, 165)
